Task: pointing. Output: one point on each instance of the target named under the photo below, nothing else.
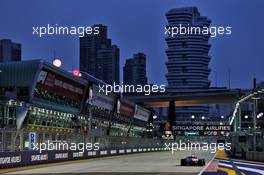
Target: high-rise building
(9, 51)
(94, 48)
(188, 57)
(108, 64)
(134, 71)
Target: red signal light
(77, 73)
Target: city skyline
(142, 87)
(153, 43)
(9, 51)
(134, 70)
(99, 56)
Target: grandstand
(36, 96)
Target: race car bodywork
(192, 161)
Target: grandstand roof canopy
(25, 73)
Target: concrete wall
(255, 156)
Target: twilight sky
(138, 26)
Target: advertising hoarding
(125, 108)
(141, 113)
(61, 85)
(101, 100)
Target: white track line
(226, 165)
(243, 168)
(201, 172)
(242, 163)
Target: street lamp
(155, 117)
(57, 62)
(260, 115)
(255, 110)
(192, 116)
(246, 116)
(203, 117)
(222, 117)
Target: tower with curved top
(187, 54)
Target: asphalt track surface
(154, 163)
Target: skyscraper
(9, 51)
(188, 57)
(108, 64)
(134, 71)
(99, 57)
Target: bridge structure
(191, 97)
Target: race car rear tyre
(201, 162)
(183, 162)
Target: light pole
(91, 99)
(235, 124)
(239, 118)
(255, 108)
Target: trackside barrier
(26, 158)
(255, 156)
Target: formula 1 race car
(192, 161)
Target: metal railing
(13, 140)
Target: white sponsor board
(141, 113)
(77, 154)
(93, 153)
(103, 152)
(10, 160)
(113, 152)
(39, 157)
(61, 156)
(121, 151)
